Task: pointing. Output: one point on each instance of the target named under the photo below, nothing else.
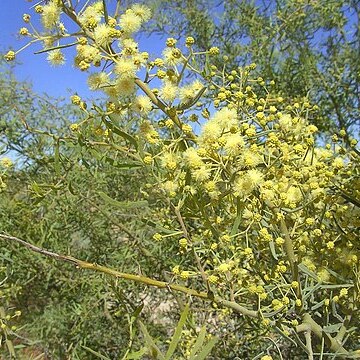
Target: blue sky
(56, 81)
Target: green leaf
(177, 334)
(273, 250)
(71, 188)
(36, 188)
(136, 313)
(206, 349)
(105, 12)
(306, 271)
(119, 132)
(199, 341)
(57, 158)
(238, 218)
(10, 347)
(100, 356)
(330, 329)
(123, 204)
(125, 166)
(155, 351)
(156, 226)
(236, 225)
(136, 355)
(55, 48)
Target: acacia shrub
(249, 213)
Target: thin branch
(138, 278)
(289, 248)
(171, 113)
(309, 325)
(187, 236)
(41, 251)
(308, 344)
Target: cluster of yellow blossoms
(5, 165)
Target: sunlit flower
(168, 91)
(142, 105)
(50, 14)
(125, 68)
(98, 80)
(125, 87)
(172, 56)
(56, 57)
(142, 11)
(102, 35)
(130, 22)
(6, 162)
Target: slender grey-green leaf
(273, 250)
(199, 342)
(177, 334)
(156, 226)
(55, 48)
(100, 356)
(57, 158)
(136, 355)
(236, 225)
(123, 204)
(10, 347)
(120, 132)
(136, 313)
(206, 349)
(150, 342)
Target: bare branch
(137, 278)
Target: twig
(289, 249)
(310, 326)
(307, 335)
(138, 278)
(187, 236)
(41, 251)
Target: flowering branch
(137, 278)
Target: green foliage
(198, 352)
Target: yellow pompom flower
(185, 274)
(142, 105)
(343, 293)
(168, 92)
(141, 11)
(56, 57)
(10, 55)
(103, 34)
(98, 80)
(125, 68)
(125, 87)
(50, 15)
(130, 22)
(192, 159)
(6, 162)
(172, 56)
(24, 31)
(213, 279)
(183, 242)
(223, 267)
(214, 51)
